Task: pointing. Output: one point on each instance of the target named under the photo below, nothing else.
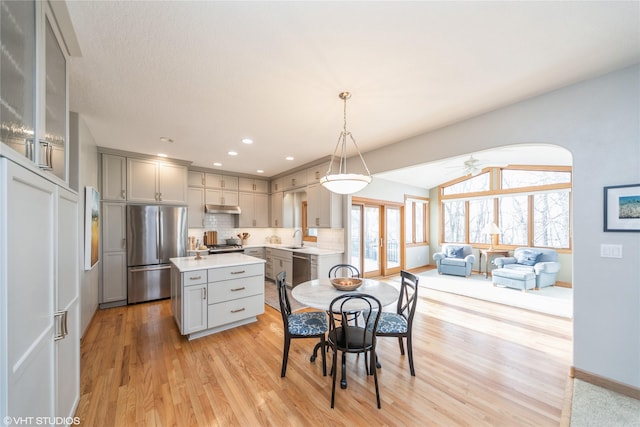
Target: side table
(488, 255)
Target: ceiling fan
(471, 166)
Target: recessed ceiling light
(247, 141)
(260, 171)
(166, 139)
(232, 153)
(217, 164)
(162, 155)
(289, 158)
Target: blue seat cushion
(392, 323)
(308, 323)
(454, 261)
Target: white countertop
(214, 261)
(305, 249)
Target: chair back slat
(343, 270)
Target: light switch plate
(610, 251)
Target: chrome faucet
(294, 237)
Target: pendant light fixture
(343, 182)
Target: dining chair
(346, 338)
(399, 324)
(343, 270)
(308, 324)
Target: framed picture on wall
(91, 227)
(622, 208)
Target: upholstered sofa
(455, 259)
(528, 268)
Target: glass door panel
(393, 231)
(356, 236)
(372, 235)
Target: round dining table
(319, 293)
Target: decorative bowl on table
(346, 283)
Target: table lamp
(492, 230)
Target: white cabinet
(249, 185)
(113, 286)
(195, 207)
(195, 308)
(221, 197)
(151, 181)
(277, 200)
(257, 252)
(34, 118)
(114, 177)
(281, 260)
(324, 208)
(210, 300)
(195, 179)
(221, 181)
(254, 210)
(321, 264)
(40, 364)
(314, 173)
(67, 346)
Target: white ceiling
(207, 74)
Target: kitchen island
(216, 293)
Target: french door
(376, 237)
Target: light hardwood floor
(477, 364)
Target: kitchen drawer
(234, 311)
(195, 277)
(233, 289)
(235, 272)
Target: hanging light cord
(342, 139)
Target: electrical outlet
(610, 251)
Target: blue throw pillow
(528, 257)
(454, 252)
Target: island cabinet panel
(216, 293)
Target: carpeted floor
(594, 406)
(554, 300)
(271, 297)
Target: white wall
(598, 121)
(88, 176)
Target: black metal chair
(399, 324)
(308, 324)
(347, 338)
(343, 270)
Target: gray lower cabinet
(211, 300)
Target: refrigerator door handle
(150, 268)
(159, 236)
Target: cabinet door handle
(238, 272)
(124, 243)
(238, 289)
(62, 331)
(195, 277)
(204, 293)
(238, 310)
(123, 194)
(28, 149)
(159, 197)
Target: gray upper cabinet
(114, 178)
(151, 181)
(34, 122)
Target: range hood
(222, 209)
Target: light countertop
(305, 249)
(214, 261)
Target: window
(532, 207)
(416, 212)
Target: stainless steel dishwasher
(301, 268)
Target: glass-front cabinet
(33, 87)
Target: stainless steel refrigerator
(154, 234)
